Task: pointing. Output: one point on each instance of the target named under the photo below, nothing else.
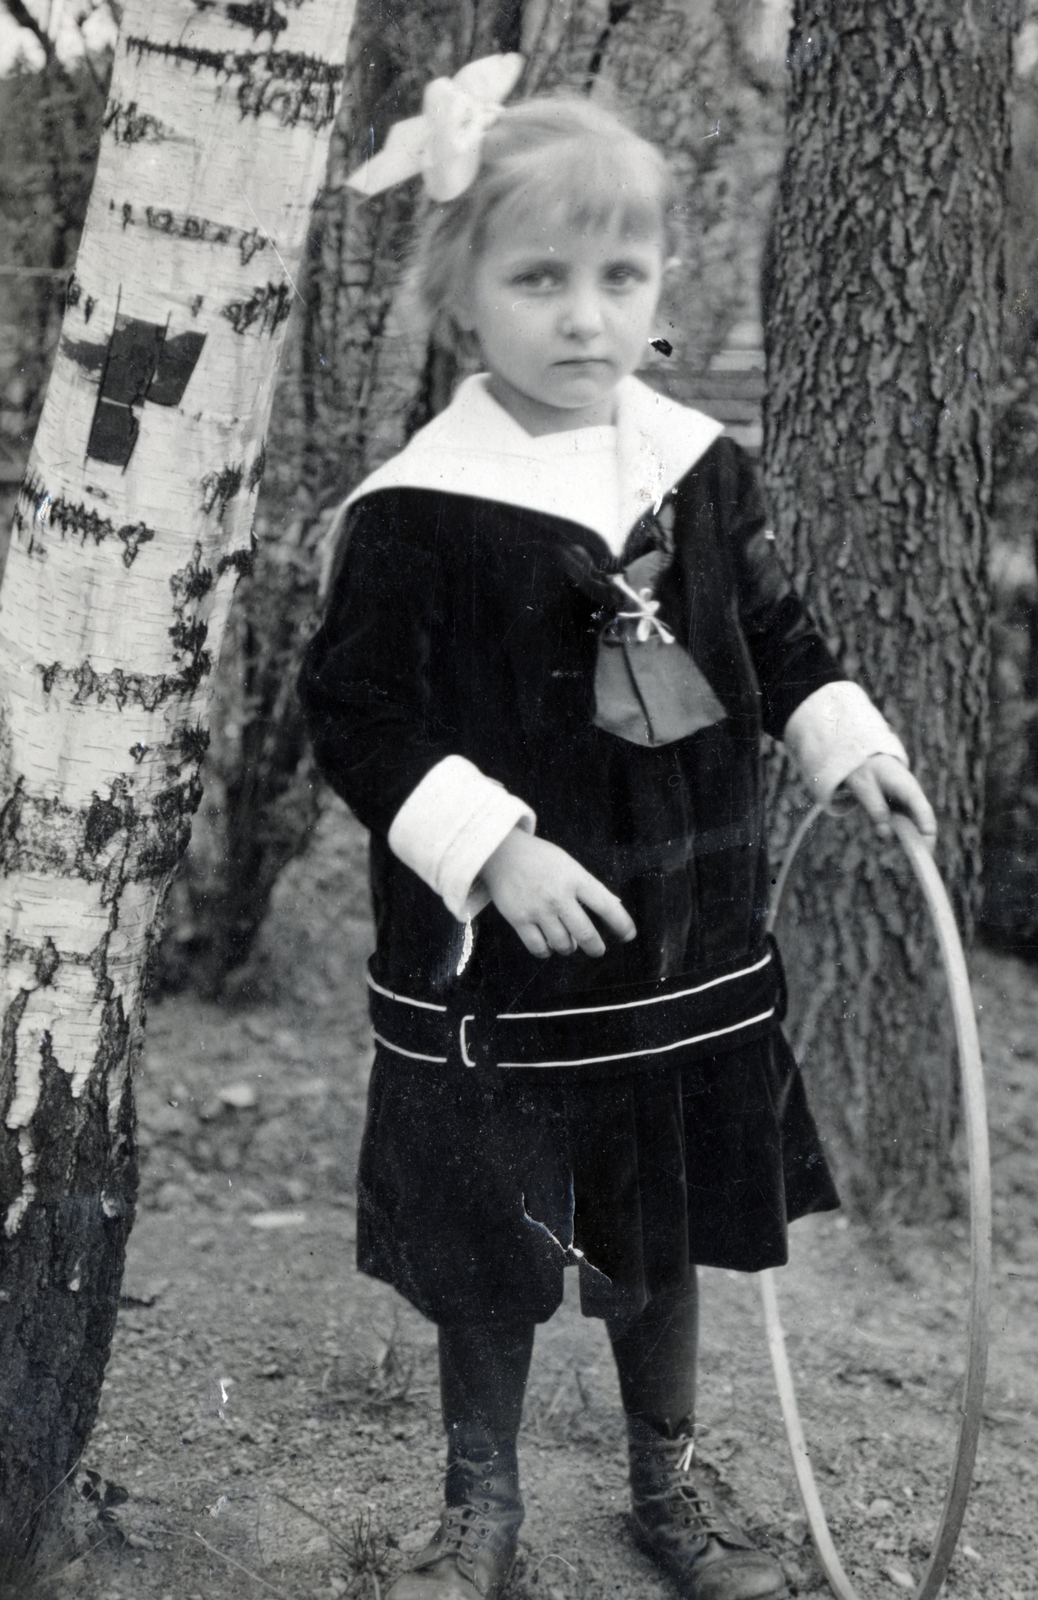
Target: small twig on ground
(97, 1544)
(40, 1504)
(556, 1400)
(551, 1556)
(370, 1546)
(232, 1563)
(303, 1512)
(392, 1373)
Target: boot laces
(465, 1527)
(686, 1500)
(462, 1531)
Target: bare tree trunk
(51, 123)
(260, 784)
(133, 524)
(1009, 915)
(366, 378)
(882, 346)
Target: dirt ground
(269, 1422)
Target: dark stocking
(656, 1360)
(483, 1372)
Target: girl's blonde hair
(562, 159)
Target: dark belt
(698, 1014)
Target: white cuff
(832, 732)
(450, 825)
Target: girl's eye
(624, 274)
(537, 278)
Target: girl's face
(562, 313)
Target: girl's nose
(582, 315)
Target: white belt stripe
(583, 1011)
(404, 999)
(633, 1005)
(413, 1055)
(656, 1050)
(591, 1061)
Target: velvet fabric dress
(459, 624)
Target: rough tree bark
(882, 331)
(51, 121)
(1009, 914)
(132, 526)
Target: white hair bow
(443, 144)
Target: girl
(556, 631)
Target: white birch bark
(133, 523)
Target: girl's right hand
(543, 893)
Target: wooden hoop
(972, 1079)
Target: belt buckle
(778, 977)
(476, 1045)
(463, 1038)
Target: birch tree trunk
(132, 526)
(882, 350)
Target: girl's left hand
(884, 782)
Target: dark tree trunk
(1009, 914)
(51, 123)
(369, 378)
(260, 785)
(60, 1293)
(882, 329)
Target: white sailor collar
(475, 448)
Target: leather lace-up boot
(679, 1523)
(471, 1553)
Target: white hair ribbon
(444, 143)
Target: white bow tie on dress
(645, 616)
(444, 143)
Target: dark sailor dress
(467, 618)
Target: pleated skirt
(476, 1191)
